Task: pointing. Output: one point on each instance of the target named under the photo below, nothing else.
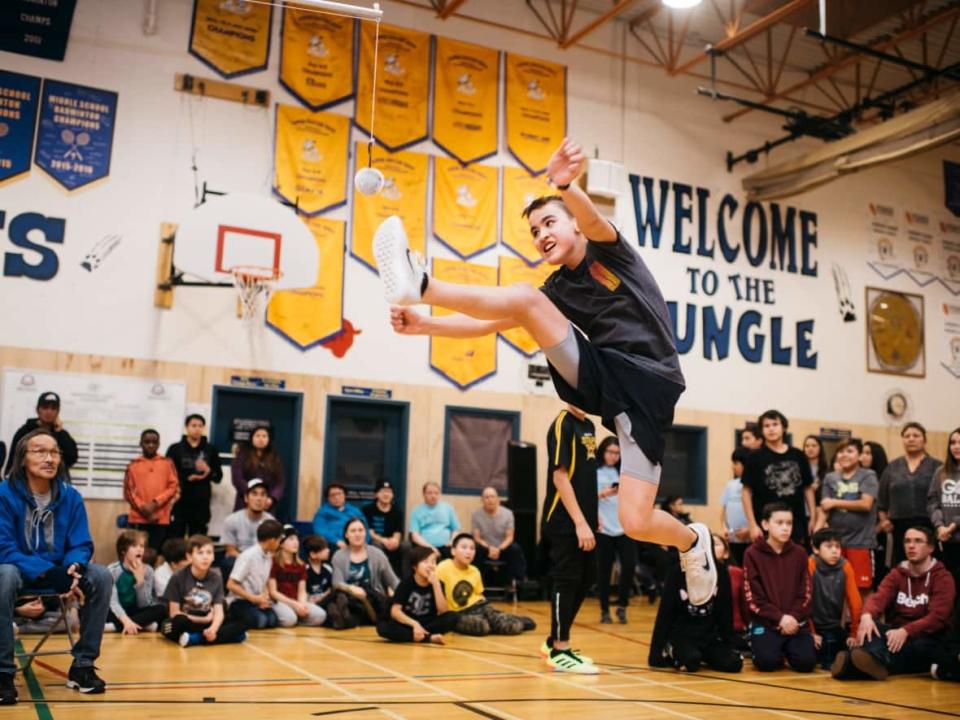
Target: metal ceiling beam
(576, 37)
(446, 8)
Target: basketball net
(253, 284)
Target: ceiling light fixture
(681, 4)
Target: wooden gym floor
(305, 673)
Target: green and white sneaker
(547, 648)
(568, 661)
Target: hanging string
(307, 7)
(373, 99)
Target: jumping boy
(622, 364)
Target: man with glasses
(48, 418)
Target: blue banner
(37, 28)
(19, 97)
(75, 137)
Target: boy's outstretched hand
(406, 321)
(566, 163)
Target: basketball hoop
(253, 284)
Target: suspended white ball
(368, 181)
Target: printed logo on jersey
(783, 478)
(589, 443)
(912, 602)
(604, 276)
(848, 490)
(462, 592)
(950, 493)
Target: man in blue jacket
(333, 515)
(45, 544)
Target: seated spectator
(741, 612)
(463, 587)
(833, 582)
(943, 506)
(133, 604)
(288, 585)
(848, 505)
(687, 636)
(320, 590)
(916, 598)
(48, 418)
(385, 522)
(433, 522)
(197, 462)
(259, 459)
(248, 597)
(418, 612)
(777, 586)
(194, 598)
(174, 552)
(492, 526)
(750, 437)
(45, 544)
(151, 487)
(673, 504)
(333, 515)
(363, 573)
(240, 527)
(736, 529)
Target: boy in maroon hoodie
(778, 591)
(917, 598)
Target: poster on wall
(921, 255)
(464, 206)
(75, 135)
(37, 28)
(883, 238)
(895, 341)
(231, 36)
(316, 57)
(536, 102)
(949, 252)
(19, 99)
(950, 339)
(105, 414)
(519, 190)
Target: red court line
(50, 668)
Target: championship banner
(404, 194)
(310, 160)
(519, 190)
(39, 28)
(311, 316)
(465, 89)
(536, 101)
(316, 57)
(75, 136)
(231, 36)
(19, 99)
(463, 361)
(403, 85)
(464, 206)
(514, 270)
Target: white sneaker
(700, 567)
(401, 270)
(184, 639)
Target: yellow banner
(515, 270)
(311, 316)
(404, 194)
(519, 190)
(464, 206)
(310, 158)
(463, 361)
(465, 84)
(231, 36)
(316, 56)
(536, 100)
(403, 85)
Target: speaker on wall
(522, 476)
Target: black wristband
(557, 186)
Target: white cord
(373, 97)
(339, 9)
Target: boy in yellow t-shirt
(463, 589)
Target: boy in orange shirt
(151, 487)
(834, 581)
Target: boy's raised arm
(565, 166)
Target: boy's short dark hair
(127, 539)
(195, 542)
(174, 549)
(825, 535)
(195, 416)
(771, 415)
(849, 442)
(927, 533)
(543, 201)
(149, 431)
(419, 553)
(914, 425)
(462, 536)
(770, 508)
(269, 530)
(752, 428)
(314, 543)
(331, 487)
(740, 455)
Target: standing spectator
(904, 485)
(150, 486)
(45, 543)
(332, 517)
(197, 463)
(874, 457)
(288, 585)
(433, 522)
(741, 612)
(363, 572)
(778, 472)
(943, 505)
(248, 596)
(750, 437)
(817, 458)
(259, 459)
(48, 418)
(492, 527)
(736, 529)
(612, 543)
(133, 604)
(385, 522)
(240, 527)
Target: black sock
(696, 539)
(423, 284)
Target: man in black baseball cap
(48, 418)
(386, 523)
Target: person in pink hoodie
(916, 598)
(151, 487)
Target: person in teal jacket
(45, 546)
(333, 515)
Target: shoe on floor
(568, 661)
(401, 270)
(606, 619)
(841, 665)
(8, 690)
(547, 648)
(528, 623)
(622, 615)
(86, 680)
(868, 664)
(700, 567)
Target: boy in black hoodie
(198, 464)
(778, 590)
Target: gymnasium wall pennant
(519, 190)
(536, 101)
(19, 100)
(514, 270)
(75, 133)
(231, 36)
(465, 100)
(40, 29)
(317, 62)
(464, 206)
